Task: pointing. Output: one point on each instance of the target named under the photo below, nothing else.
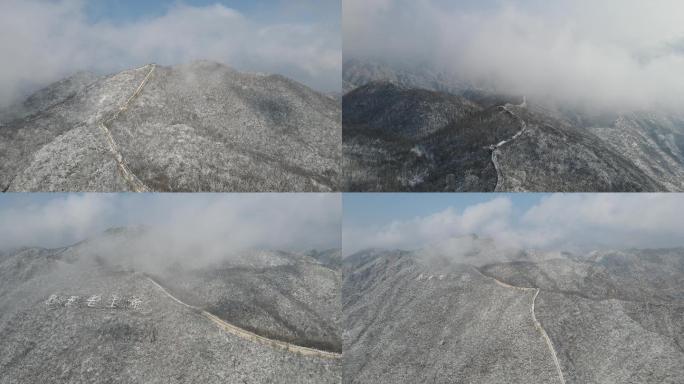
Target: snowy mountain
(195, 127)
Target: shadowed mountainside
(403, 134)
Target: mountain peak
(200, 126)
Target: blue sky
(130, 10)
(270, 220)
(299, 39)
(546, 221)
(358, 221)
(122, 11)
(114, 209)
(578, 53)
(361, 209)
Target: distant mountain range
(526, 317)
(206, 127)
(195, 127)
(93, 313)
(418, 131)
(466, 308)
(356, 73)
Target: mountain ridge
(195, 127)
(536, 148)
(84, 313)
(554, 319)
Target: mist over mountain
(299, 39)
(359, 72)
(196, 127)
(607, 55)
(569, 96)
(577, 223)
(97, 310)
(522, 316)
(400, 134)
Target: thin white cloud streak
(42, 41)
(557, 222)
(192, 227)
(617, 54)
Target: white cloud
(53, 222)
(617, 220)
(42, 41)
(606, 53)
(487, 219)
(183, 227)
(557, 222)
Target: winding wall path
(247, 335)
(495, 147)
(134, 183)
(537, 324)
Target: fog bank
(42, 41)
(179, 228)
(615, 54)
(559, 222)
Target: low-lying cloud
(183, 228)
(572, 222)
(42, 41)
(617, 54)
